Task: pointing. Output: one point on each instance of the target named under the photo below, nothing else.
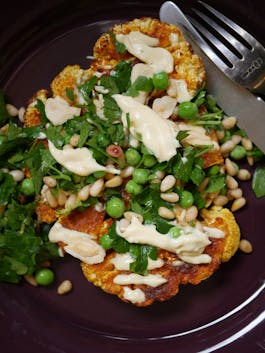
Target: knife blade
(232, 98)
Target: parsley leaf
(41, 108)
(120, 47)
(111, 108)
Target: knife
(235, 100)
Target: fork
(242, 59)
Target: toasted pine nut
(160, 174)
(245, 246)
(51, 199)
(227, 146)
(230, 167)
(127, 172)
(167, 183)
(49, 181)
(220, 134)
(231, 182)
(236, 139)
(129, 215)
(83, 194)
(97, 187)
(31, 280)
(65, 287)
(250, 160)
(67, 147)
(170, 196)
(203, 184)
(247, 143)
(235, 193)
(74, 140)
(11, 110)
(229, 122)
(17, 174)
(61, 198)
(166, 213)
(21, 113)
(220, 200)
(191, 214)
(71, 201)
(114, 182)
(243, 174)
(238, 203)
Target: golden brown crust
(32, 114)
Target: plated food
(130, 166)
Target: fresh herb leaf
(216, 183)
(70, 94)
(40, 106)
(111, 108)
(140, 254)
(258, 182)
(87, 87)
(120, 47)
(109, 82)
(7, 188)
(122, 74)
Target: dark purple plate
(224, 313)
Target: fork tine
(240, 48)
(244, 34)
(231, 57)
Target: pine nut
(17, 174)
(236, 139)
(230, 167)
(83, 194)
(243, 174)
(220, 134)
(129, 215)
(114, 182)
(191, 214)
(167, 183)
(71, 201)
(51, 199)
(220, 200)
(49, 181)
(61, 198)
(127, 172)
(229, 122)
(67, 147)
(31, 280)
(238, 203)
(21, 113)
(250, 160)
(65, 287)
(203, 184)
(231, 182)
(97, 187)
(247, 143)
(11, 110)
(234, 193)
(160, 174)
(74, 140)
(245, 246)
(170, 197)
(227, 147)
(166, 213)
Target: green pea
(140, 175)
(106, 241)
(27, 187)
(115, 207)
(132, 156)
(45, 276)
(149, 161)
(133, 188)
(174, 232)
(160, 80)
(186, 199)
(238, 152)
(187, 110)
(213, 170)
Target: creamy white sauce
(213, 232)
(79, 244)
(143, 48)
(135, 296)
(164, 106)
(178, 89)
(78, 160)
(122, 262)
(134, 278)
(189, 246)
(158, 134)
(58, 110)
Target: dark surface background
(33, 49)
